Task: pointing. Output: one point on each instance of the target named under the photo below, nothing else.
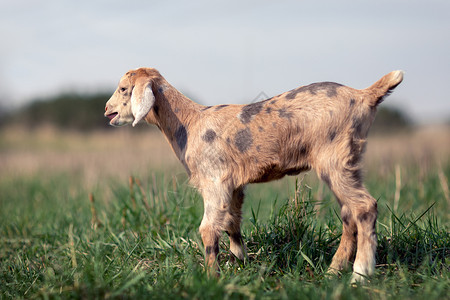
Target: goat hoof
(358, 278)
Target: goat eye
(123, 89)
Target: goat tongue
(111, 116)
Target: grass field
(111, 215)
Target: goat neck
(174, 114)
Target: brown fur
(322, 126)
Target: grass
(138, 238)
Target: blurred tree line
(390, 120)
(84, 112)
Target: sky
(228, 51)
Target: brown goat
(322, 126)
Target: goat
(223, 148)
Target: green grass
(144, 241)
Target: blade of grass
(418, 218)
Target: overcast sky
(228, 51)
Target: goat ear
(142, 99)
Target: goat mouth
(112, 115)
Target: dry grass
(119, 153)
(96, 159)
(102, 154)
(428, 145)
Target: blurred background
(61, 60)
(117, 200)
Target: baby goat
(322, 126)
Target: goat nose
(106, 109)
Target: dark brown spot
(345, 219)
(260, 129)
(355, 153)
(293, 93)
(352, 102)
(368, 217)
(357, 126)
(181, 137)
(243, 139)
(269, 110)
(330, 88)
(363, 217)
(206, 108)
(326, 178)
(220, 107)
(304, 150)
(355, 175)
(249, 111)
(209, 136)
(284, 114)
(212, 250)
(331, 135)
(258, 148)
(156, 109)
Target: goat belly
(268, 173)
(296, 171)
(275, 172)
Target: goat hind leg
(366, 216)
(359, 213)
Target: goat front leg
(233, 225)
(210, 237)
(216, 204)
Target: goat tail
(384, 87)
